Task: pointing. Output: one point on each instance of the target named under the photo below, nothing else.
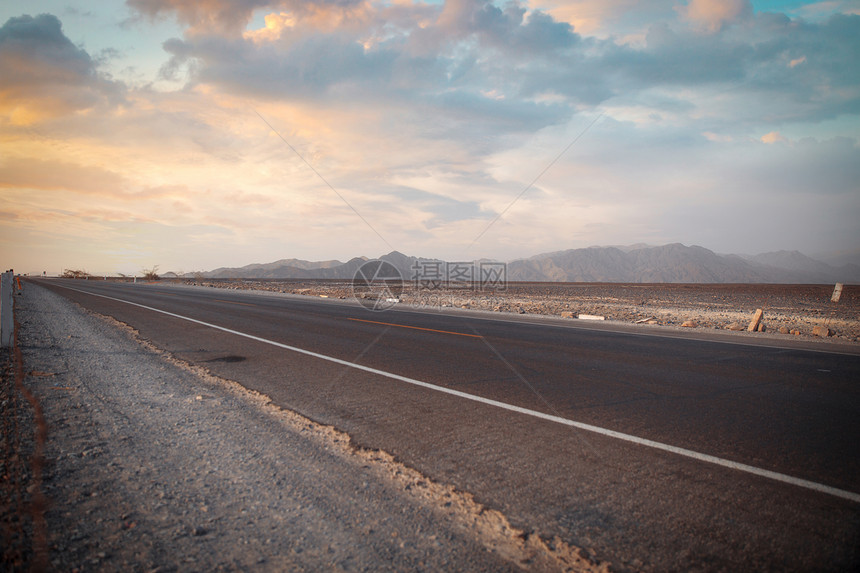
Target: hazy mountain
(676, 263)
(790, 260)
(297, 263)
(595, 264)
(640, 263)
(801, 265)
(670, 263)
(285, 268)
(628, 248)
(299, 269)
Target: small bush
(151, 274)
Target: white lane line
(851, 496)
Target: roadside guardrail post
(7, 322)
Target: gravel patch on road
(154, 465)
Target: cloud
(773, 137)
(513, 30)
(220, 16)
(515, 69)
(620, 19)
(796, 61)
(440, 66)
(430, 210)
(718, 138)
(231, 17)
(45, 75)
(744, 76)
(31, 173)
(430, 119)
(712, 15)
(275, 25)
(825, 8)
(432, 97)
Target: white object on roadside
(837, 293)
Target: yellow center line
(233, 302)
(417, 328)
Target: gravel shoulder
(153, 465)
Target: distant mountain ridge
(283, 268)
(672, 263)
(677, 263)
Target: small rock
(784, 330)
(736, 326)
(822, 331)
(567, 314)
(690, 324)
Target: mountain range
(672, 263)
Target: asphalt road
(792, 412)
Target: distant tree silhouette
(75, 274)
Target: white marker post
(834, 298)
(7, 322)
(837, 293)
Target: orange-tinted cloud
(31, 173)
(773, 137)
(596, 16)
(712, 15)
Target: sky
(190, 135)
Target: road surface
(652, 452)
